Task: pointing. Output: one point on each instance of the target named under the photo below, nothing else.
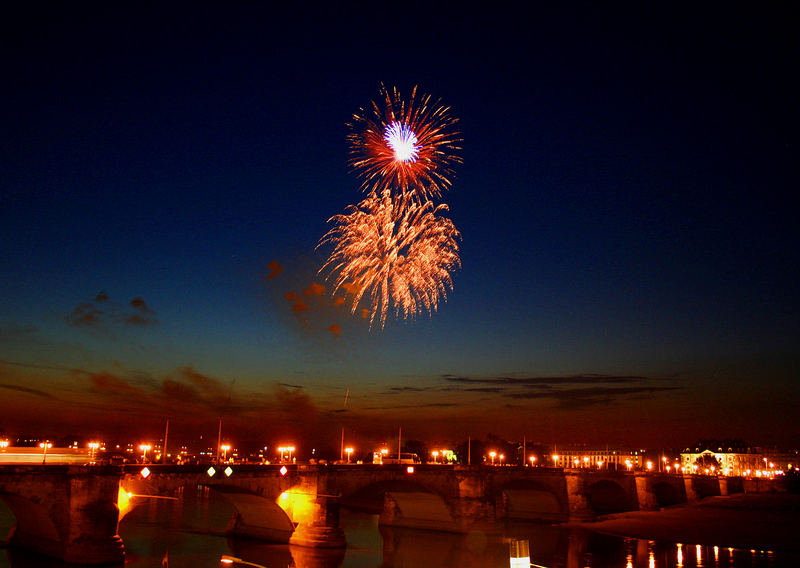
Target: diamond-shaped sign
(228, 471)
(283, 470)
(211, 471)
(145, 472)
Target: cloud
(28, 390)
(414, 406)
(405, 388)
(571, 399)
(85, 315)
(102, 314)
(314, 289)
(567, 390)
(275, 268)
(548, 381)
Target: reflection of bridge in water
(73, 513)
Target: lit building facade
(727, 457)
(597, 458)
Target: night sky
(626, 204)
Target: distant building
(728, 457)
(597, 458)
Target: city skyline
(628, 257)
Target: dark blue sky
(629, 248)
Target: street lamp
(502, 457)
(225, 448)
(532, 459)
(555, 460)
(45, 445)
(435, 455)
(3, 444)
(492, 455)
(348, 451)
(144, 448)
(93, 448)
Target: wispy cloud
(28, 390)
(102, 314)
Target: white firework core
(402, 141)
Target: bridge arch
(252, 514)
(529, 499)
(607, 496)
(369, 498)
(33, 523)
(667, 494)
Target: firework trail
(404, 146)
(394, 250)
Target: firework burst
(396, 251)
(404, 145)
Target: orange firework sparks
(396, 251)
(404, 145)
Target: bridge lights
(600, 464)
(585, 461)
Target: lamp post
(45, 445)
(435, 455)
(492, 455)
(532, 459)
(348, 451)
(92, 449)
(144, 448)
(225, 448)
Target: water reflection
(190, 532)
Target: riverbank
(761, 522)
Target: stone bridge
(73, 512)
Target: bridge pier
(645, 495)
(577, 497)
(691, 492)
(322, 530)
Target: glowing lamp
(410, 469)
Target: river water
(189, 533)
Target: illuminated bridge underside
(72, 512)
